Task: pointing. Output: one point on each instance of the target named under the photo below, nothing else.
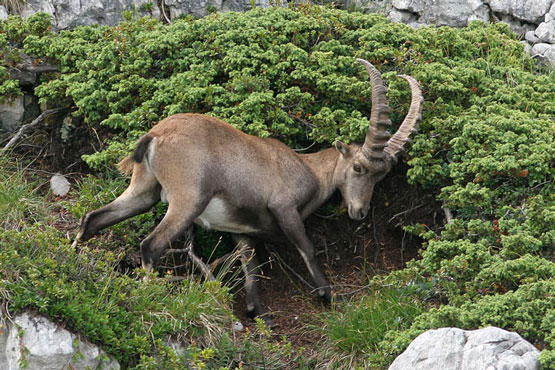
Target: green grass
(354, 329)
(19, 199)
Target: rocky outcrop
(455, 13)
(34, 342)
(200, 8)
(533, 19)
(72, 13)
(541, 41)
(456, 349)
(530, 11)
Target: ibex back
(223, 179)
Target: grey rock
(34, 6)
(516, 25)
(23, 75)
(47, 346)
(201, 8)
(549, 56)
(73, 13)
(3, 13)
(455, 13)
(456, 349)
(197, 8)
(551, 13)
(414, 6)
(532, 11)
(530, 36)
(372, 6)
(403, 16)
(240, 5)
(3, 344)
(18, 110)
(25, 78)
(527, 46)
(539, 49)
(59, 185)
(11, 114)
(546, 32)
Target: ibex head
(360, 167)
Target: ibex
(222, 179)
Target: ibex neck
(323, 164)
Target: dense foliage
(486, 146)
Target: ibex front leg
(292, 226)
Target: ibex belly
(218, 215)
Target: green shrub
(13, 31)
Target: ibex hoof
(325, 296)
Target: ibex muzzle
(223, 179)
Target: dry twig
(27, 127)
(203, 267)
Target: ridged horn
(396, 145)
(377, 135)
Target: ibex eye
(357, 168)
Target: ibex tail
(126, 165)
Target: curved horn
(396, 145)
(377, 135)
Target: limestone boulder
(11, 114)
(43, 345)
(456, 349)
(455, 13)
(546, 32)
(531, 11)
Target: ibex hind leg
(178, 218)
(139, 197)
(251, 268)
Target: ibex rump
(223, 179)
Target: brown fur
(126, 165)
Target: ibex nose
(362, 214)
(357, 213)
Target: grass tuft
(354, 330)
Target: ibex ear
(343, 148)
